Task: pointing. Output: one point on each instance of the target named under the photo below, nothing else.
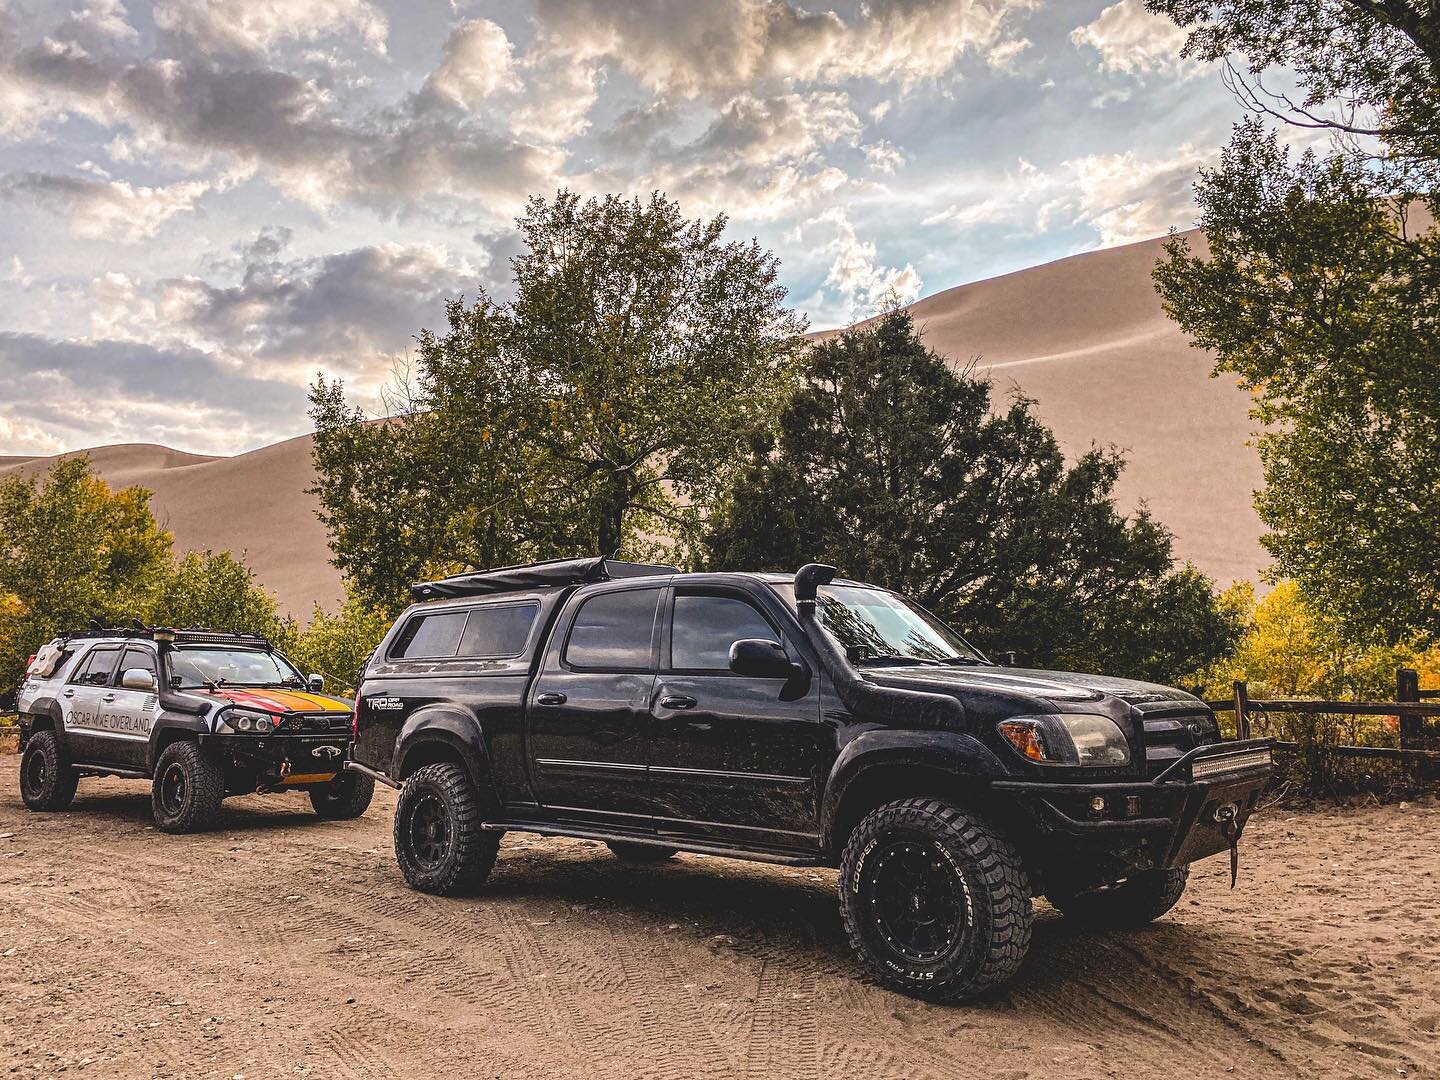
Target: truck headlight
(1079, 739)
(244, 722)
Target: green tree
(217, 592)
(1320, 290)
(1323, 299)
(71, 549)
(1366, 68)
(897, 470)
(337, 645)
(605, 406)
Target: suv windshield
(215, 666)
(872, 624)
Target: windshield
(232, 667)
(872, 624)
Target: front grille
(1172, 730)
(326, 723)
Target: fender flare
(49, 708)
(450, 727)
(963, 756)
(188, 725)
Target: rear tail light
(30, 664)
(355, 721)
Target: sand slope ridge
(1084, 336)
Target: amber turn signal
(1025, 737)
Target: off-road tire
(439, 843)
(640, 853)
(978, 869)
(346, 797)
(187, 790)
(46, 780)
(1139, 899)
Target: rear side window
(95, 669)
(613, 631)
(498, 630)
(429, 636)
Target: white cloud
(884, 156)
(864, 286)
(347, 313)
(1124, 197)
(1128, 198)
(114, 210)
(1132, 41)
(478, 63)
(17, 274)
(714, 49)
(241, 27)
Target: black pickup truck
(798, 719)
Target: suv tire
(1139, 899)
(346, 797)
(46, 780)
(187, 790)
(439, 843)
(640, 853)
(935, 901)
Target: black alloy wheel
(935, 900)
(46, 781)
(188, 788)
(431, 834)
(439, 842)
(916, 900)
(172, 789)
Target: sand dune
(252, 504)
(1084, 336)
(1087, 338)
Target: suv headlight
(1079, 739)
(245, 722)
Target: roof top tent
(537, 575)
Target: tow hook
(1226, 817)
(285, 769)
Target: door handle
(677, 701)
(108, 697)
(69, 693)
(550, 699)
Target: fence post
(1242, 710)
(1407, 688)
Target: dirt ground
(283, 945)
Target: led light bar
(1243, 761)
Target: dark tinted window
(430, 636)
(706, 626)
(95, 669)
(139, 658)
(498, 630)
(613, 631)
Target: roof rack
(194, 635)
(536, 575)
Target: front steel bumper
(1196, 808)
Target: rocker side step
(695, 847)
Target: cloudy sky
(205, 202)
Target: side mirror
(316, 683)
(138, 678)
(760, 658)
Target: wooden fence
(1418, 737)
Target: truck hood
(276, 701)
(1060, 688)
